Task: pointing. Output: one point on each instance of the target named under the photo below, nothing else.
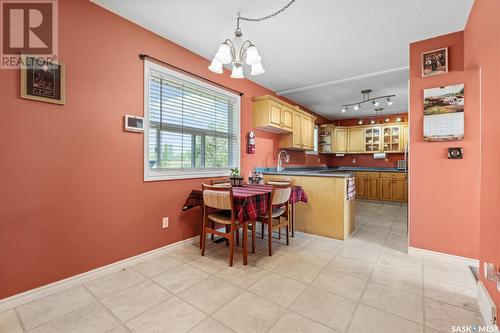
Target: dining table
(250, 200)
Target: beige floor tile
(412, 283)
(210, 326)
(243, 276)
(249, 313)
(449, 273)
(327, 245)
(185, 253)
(360, 253)
(400, 303)
(340, 284)
(174, 315)
(210, 294)
(210, 263)
(278, 289)
(114, 282)
(180, 278)
(91, 318)
(119, 329)
(298, 270)
(324, 307)
(358, 269)
(262, 260)
(401, 264)
(370, 320)
(295, 323)
(50, 307)
(157, 265)
(442, 316)
(315, 257)
(134, 300)
(451, 294)
(9, 323)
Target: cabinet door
(405, 137)
(373, 190)
(339, 140)
(297, 130)
(361, 187)
(399, 190)
(386, 184)
(307, 133)
(287, 119)
(355, 140)
(275, 114)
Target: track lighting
(357, 107)
(375, 103)
(366, 98)
(389, 101)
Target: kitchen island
(329, 212)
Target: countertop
(343, 172)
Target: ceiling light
(398, 119)
(375, 103)
(372, 122)
(374, 100)
(387, 120)
(360, 122)
(357, 107)
(236, 50)
(344, 110)
(389, 101)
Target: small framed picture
(134, 123)
(42, 80)
(435, 62)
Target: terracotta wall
(482, 50)
(444, 193)
(367, 160)
(72, 195)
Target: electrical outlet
(164, 223)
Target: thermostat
(134, 123)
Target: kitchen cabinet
(271, 115)
(325, 139)
(287, 118)
(372, 139)
(339, 140)
(405, 136)
(391, 138)
(355, 140)
(307, 132)
(386, 186)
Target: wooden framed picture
(42, 80)
(435, 62)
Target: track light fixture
(366, 98)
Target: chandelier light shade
(237, 51)
(366, 98)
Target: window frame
(315, 150)
(172, 174)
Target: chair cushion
(220, 218)
(275, 212)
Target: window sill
(152, 175)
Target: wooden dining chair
(277, 218)
(282, 181)
(223, 182)
(221, 199)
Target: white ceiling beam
(342, 81)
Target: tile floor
(367, 284)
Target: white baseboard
(443, 256)
(487, 306)
(34, 294)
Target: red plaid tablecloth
(250, 201)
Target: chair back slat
(218, 197)
(281, 195)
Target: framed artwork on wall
(435, 62)
(42, 80)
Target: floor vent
(486, 305)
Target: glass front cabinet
(372, 139)
(391, 138)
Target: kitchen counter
(342, 172)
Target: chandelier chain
(258, 19)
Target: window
(192, 129)
(315, 150)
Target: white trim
(156, 175)
(49, 289)
(443, 256)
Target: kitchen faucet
(280, 168)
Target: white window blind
(192, 129)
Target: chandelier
(366, 99)
(236, 51)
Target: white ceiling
(312, 42)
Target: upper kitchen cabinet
(270, 114)
(307, 132)
(302, 135)
(339, 140)
(392, 138)
(355, 140)
(325, 139)
(372, 139)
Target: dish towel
(351, 188)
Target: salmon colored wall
(482, 50)
(444, 193)
(367, 160)
(72, 192)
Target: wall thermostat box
(134, 123)
(455, 153)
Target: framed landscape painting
(435, 62)
(42, 81)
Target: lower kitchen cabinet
(386, 186)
